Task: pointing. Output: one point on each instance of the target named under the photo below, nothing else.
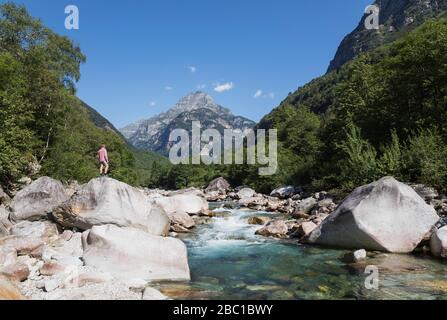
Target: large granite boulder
(129, 253)
(107, 201)
(181, 218)
(276, 229)
(438, 243)
(307, 228)
(191, 204)
(304, 207)
(283, 192)
(38, 199)
(246, 193)
(219, 185)
(385, 215)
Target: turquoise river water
(228, 261)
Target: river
(228, 261)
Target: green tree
(38, 69)
(360, 165)
(425, 159)
(17, 139)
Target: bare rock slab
(128, 253)
(385, 215)
(37, 200)
(107, 201)
(189, 203)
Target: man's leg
(101, 169)
(106, 168)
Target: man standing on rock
(103, 159)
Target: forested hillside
(396, 18)
(42, 122)
(384, 113)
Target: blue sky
(143, 56)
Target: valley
(353, 205)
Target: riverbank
(387, 203)
(107, 240)
(229, 261)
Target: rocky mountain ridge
(153, 134)
(396, 17)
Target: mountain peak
(198, 93)
(153, 134)
(195, 100)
